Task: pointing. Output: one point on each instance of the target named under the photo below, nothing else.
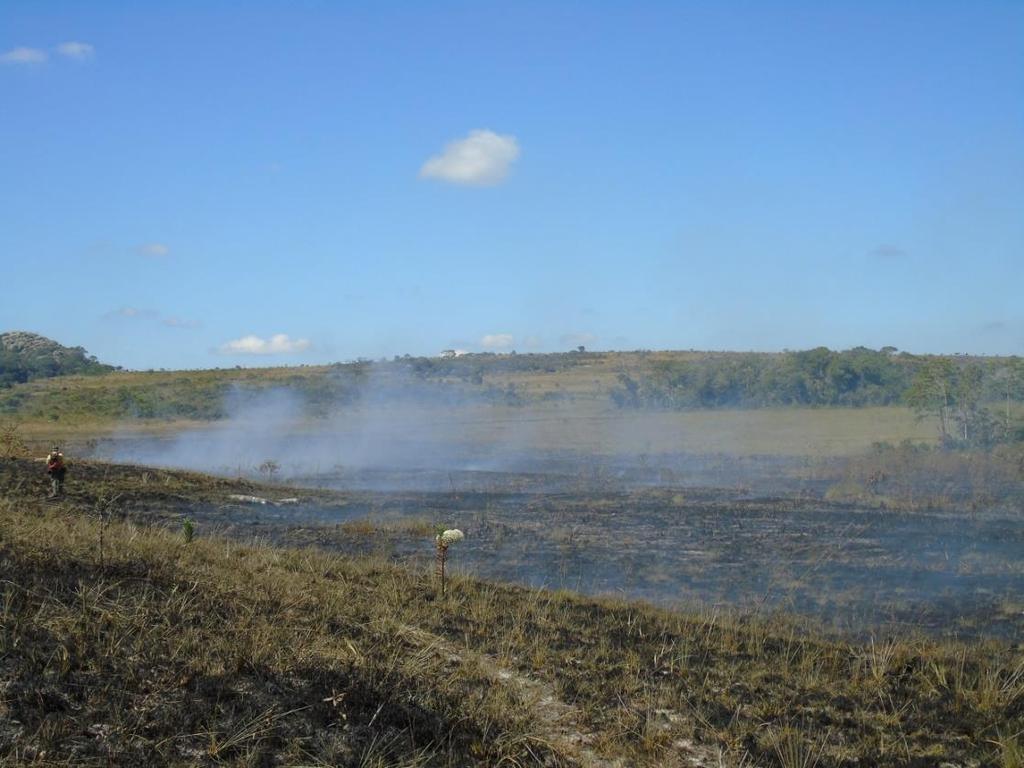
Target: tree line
(971, 399)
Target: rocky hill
(25, 356)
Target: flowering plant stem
(442, 558)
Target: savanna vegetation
(950, 424)
(973, 399)
(131, 633)
(126, 644)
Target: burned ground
(125, 644)
(860, 571)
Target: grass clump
(188, 530)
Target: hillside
(977, 397)
(129, 645)
(26, 356)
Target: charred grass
(121, 644)
(157, 652)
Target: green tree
(931, 394)
(952, 394)
(972, 420)
(1006, 382)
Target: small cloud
(76, 50)
(577, 339)
(131, 313)
(180, 322)
(497, 341)
(154, 249)
(481, 159)
(995, 325)
(23, 56)
(149, 315)
(278, 344)
(888, 253)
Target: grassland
(121, 643)
(557, 401)
(199, 394)
(814, 432)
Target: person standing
(56, 469)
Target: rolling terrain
(241, 570)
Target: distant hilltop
(25, 356)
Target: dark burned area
(858, 572)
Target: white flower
(450, 536)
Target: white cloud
(154, 249)
(480, 159)
(889, 253)
(76, 50)
(180, 322)
(278, 344)
(497, 341)
(136, 314)
(133, 313)
(23, 56)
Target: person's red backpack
(55, 464)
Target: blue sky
(211, 184)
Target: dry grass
(595, 428)
(909, 476)
(159, 652)
(164, 652)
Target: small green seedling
(188, 530)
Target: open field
(821, 587)
(813, 432)
(860, 570)
(563, 399)
(512, 385)
(482, 403)
(128, 645)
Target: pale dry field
(585, 428)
